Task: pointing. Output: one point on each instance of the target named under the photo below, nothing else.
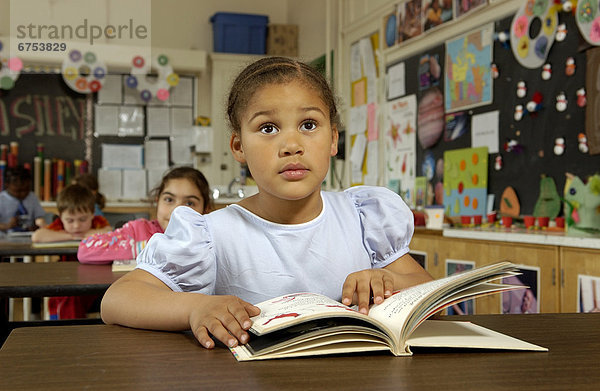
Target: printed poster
(401, 146)
(522, 301)
(468, 81)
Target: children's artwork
(420, 192)
(457, 124)
(588, 293)
(10, 69)
(83, 72)
(409, 20)
(468, 81)
(453, 267)
(532, 51)
(159, 86)
(465, 181)
(587, 20)
(509, 203)
(522, 301)
(548, 203)
(436, 12)
(431, 117)
(401, 144)
(582, 205)
(359, 92)
(429, 71)
(428, 167)
(462, 7)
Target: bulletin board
(535, 134)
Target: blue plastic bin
(239, 33)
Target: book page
(289, 309)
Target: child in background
(206, 271)
(75, 219)
(90, 181)
(20, 208)
(180, 186)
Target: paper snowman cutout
(561, 32)
(581, 97)
(518, 112)
(521, 89)
(561, 102)
(570, 66)
(559, 146)
(583, 145)
(498, 163)
(546, 72)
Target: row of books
(51, 175)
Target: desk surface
(54, 279)
(114, 357)
(18, 247)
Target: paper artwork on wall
(587, 17)
(430, 117)
(83, 72)
(465, 181)
(152, 87)
(468, 76)
(401, 145)
(10, 69)
(532, 51)
(522, 301)
(588, 293)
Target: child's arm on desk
(45, 235)
(140, 300)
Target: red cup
(506, 221)
(529, 221)
(560, 222)
(477, 219)
(465, 220)
(491, 218)
(543, 221)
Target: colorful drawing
(401, 145)
(529, 50)
(465, 181)
(582, 205)
(468, 81)
(462, 7)
(290, 315)
(522, 301)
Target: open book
(306, 324)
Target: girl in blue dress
(206, 271)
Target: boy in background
(20, 209)
(76, 219)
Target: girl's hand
(227, 318)
(360, 286)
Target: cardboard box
(282, 40)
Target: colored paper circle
(523, 49)
(15, 64)
(520, 27)
(138, 61)
(95, 86)
(463, 165)
(475, 158)
(475, 179)
(81, 84)
(475, 203)
(595, 30)
(467, 201)
(146, 95)
(6, 83)
(541, 47)
(163, 60)
(162, 94)
(90, 57)
(75, 55)
(173, 79)
(99, 72)
(131, 81)
(70, 73)
(84, 70)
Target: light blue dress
(232, 251)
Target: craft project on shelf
(531, 52)
(465, 181)
(83, 72)
(587, 16)
(509, 203)
(548, 203)
(10, 69)
(582, 205)
(148, 88)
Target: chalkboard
(535, 134)
(41, 108)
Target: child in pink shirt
(180, 186)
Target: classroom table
(49, 279)
(22, 247)
(120, 358)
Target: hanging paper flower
(83, 72)
(148, 89)
(10, 69)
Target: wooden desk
(114, 357)
(47, 280)
(20, 247)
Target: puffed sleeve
(387, 223)
(183, 257)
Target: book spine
(76, 166)
(13, 155)
(60, 175)
(3, 152)
(68, 173)
(54, 178)
(47, 173)
(84, 167)
(37, 176)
